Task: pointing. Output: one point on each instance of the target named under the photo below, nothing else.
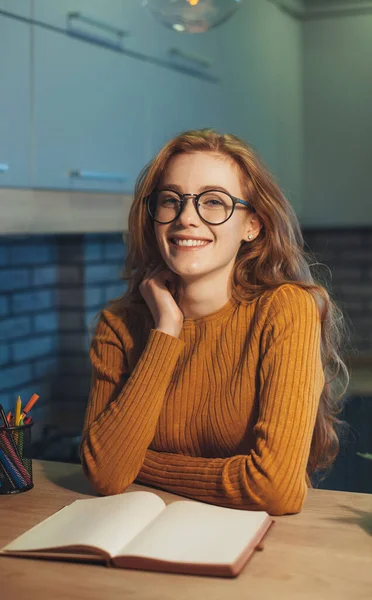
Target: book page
(107, 523)
(192, 532)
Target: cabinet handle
(105, 26)
(193, 58)
(97, 175)
(4, 168)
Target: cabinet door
(178, 100)
(88, 99)
(178, 103)
(14, 95)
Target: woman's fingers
(151, 271)
(160, 274)
(157, 289)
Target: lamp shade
(192, 16)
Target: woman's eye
(213, 202)
(169, 201)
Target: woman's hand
(157, 288)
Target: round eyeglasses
(213, 206)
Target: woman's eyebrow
(170, 186)
(213, 187)
(177, 188)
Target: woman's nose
(188, 213)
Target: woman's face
(192, 174)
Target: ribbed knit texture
(224, 414)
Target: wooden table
(323, 552)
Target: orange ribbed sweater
(224, 414)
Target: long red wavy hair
(275, 257)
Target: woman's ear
(253, 228)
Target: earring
(250, 236)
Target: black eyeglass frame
(196, 198)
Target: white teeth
(190, 242)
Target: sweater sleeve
(123, 409)
(272, 476)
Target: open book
(136, 530)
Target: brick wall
(348, 255)
(51, 287)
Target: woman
(211, 375)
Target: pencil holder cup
(15, 459)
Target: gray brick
(38, 346)
(92, 251)
(14, 279)
(101, 273)
(71, 320)
(44, 275)
(75, 364)
(368, 237)
(3, 306)
(70, 298)
(79, 342)
(357, 256)
(4, 354)
(361, 344)
(44, 367)
(339, 239)
(347, 273)
(76, 386)
(14, 327)
(355, 290)
(32, 254)
(4, 255)
(365, 346)
(358, 332)
(33, 301)
(15, 376)
(351, 305)
(93, 296)
(114, 250)
(46, 323)
(69, 274)
(114, 291)
(363, 325)
(71, 252)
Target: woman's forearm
(122, 417)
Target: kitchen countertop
(32, 211)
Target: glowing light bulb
(192, 16)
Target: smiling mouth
(189, 243)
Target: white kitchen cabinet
(14, 95)
(83, 116)
(177, 100)
(106, 113)
(89, 102)
(179, 103)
